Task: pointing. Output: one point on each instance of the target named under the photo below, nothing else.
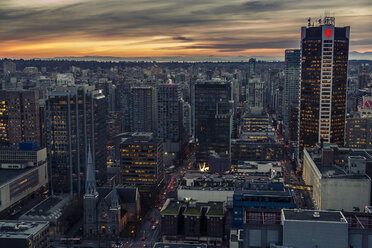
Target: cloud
(217, 25)
(181, 38)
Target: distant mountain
(360, 56)
(173, 59)
(352, 56)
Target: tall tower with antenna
(324, 60)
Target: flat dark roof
(173, 245)
(7, 175)
(308, 215)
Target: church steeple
(114, 197)
(90, 181)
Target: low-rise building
(308, 229)
(22, 172)
(193, 222)
(15, 233)
(338, 177)
(51, 210)
(255, 194)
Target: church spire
(90, 181)
(114, 197)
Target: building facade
(141, 162)
(291, 91)
(213, 111)
(19, 118)
(75, 117)
(143, 109)
(170, 116)
(335, 175)
(22, 173)
(324, 63)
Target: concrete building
(15, 233)
(21, 174)
(297, 228)
(205, 194)
(268, 168)
(337, 174)
(308, 229)
(143, 109)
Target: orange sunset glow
(50, 28)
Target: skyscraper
(143, 109)
(213, 111)
(75, 117)
(252, 67)
(19, 117)
(325, 50)
(291, 89)
(169, 116)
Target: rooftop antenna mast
(328, 19)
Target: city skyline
(183, 28)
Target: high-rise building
(325, 50)
(143, 109)
(19, 117)
(75, 117)
(213, 111)
(255, 93)
(170, 114)
(291, 91)
(252, 67)
(123, 103)
(141, 162)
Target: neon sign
(328, 32)
(367, 103)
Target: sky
(150, 28)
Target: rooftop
(173, 245)
(193, 208)
(50, 209)
(7, 175)
(313, 215)
(21, 229)
(338, 157)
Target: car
(152, 219)
(156, 206)
(157, 222)
(143, 238)
(153, 227)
